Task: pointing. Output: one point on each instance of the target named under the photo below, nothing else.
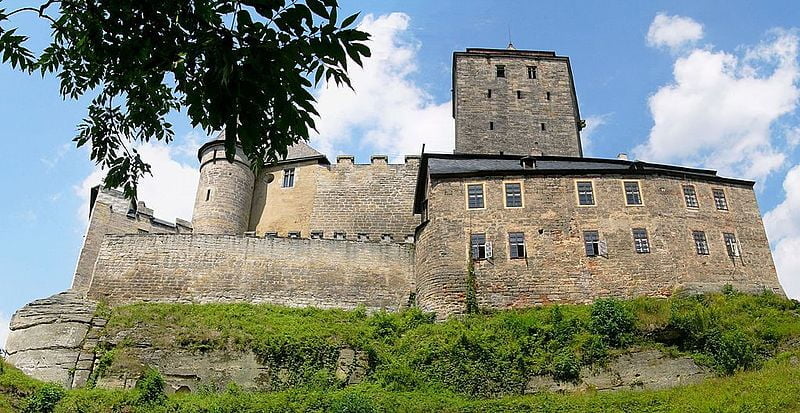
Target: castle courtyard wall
(557, 269)
(220, 268)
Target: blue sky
(712, 83)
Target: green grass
(479, 362)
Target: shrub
(151, 388)
(566, 366)
(613, 321)
(352, 402)
(732, 351)
(44, 399)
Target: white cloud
(673, 31)
(387, 113)
(170, 191)
(587, 134)
(4, 330)
(720, 109)
(783, 228)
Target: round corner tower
(224, 193)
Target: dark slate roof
(301, 150)
(469, 165)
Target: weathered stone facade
(217, 268)
(517, 113)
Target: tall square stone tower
(515, 102)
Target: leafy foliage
(612, 320)
(44, 399)
(244, 66)
(150, 388)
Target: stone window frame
(520, 243)
(577, 194)
(466, 194)
(500, 72)
(625, 192)
(595, 242)
(686, 200)
(732, 245)
(292, 178)
(532, 72)
(505, 198)
(641, 244)
(724, 203)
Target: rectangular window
(731, 244)
(719, 200)
(516, 244)
(475, 196)
(690, 195)
(547, 96)
(288, 178)
(513, 195)
(208, 194)
(632, 194)
(585, 193)
(478, 246)
(519, 94)
(501, 70)
(591, 242)
(531, 72)
(489, 93)
(700, 242)
(543, 126)
(640, 242)
(491, 125)
(294, 234)
(316, 234)
(339, 235)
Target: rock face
(50, 339)
(645, 369)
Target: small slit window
(543, 126)
(719, 200)
(500, 70)
(475, 196)
(585, 193)
(531, 72)
(547, 96)
(208, 194)
(489, 94)
(516, 245)
(519, 94)
(640, 241)
(491, 125)
(700, 242)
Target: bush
(613, 321)
(151, 388)
(352, 402)
(44, 399)
(732, 351)
(566, 366)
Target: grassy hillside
(476, 363)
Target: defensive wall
(556, 268)
(372, 199)
(221, 268)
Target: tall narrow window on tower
(288, 178)
(519, 94)
(531, 72)
(547, 96)
(208, 194)
(491, 125)
(489, 93)
(543, 127)
(501, 70)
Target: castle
(516, 216)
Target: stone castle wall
(516, 119)
(557, 268)
(372, 199)
(219, 268)
(224, 192)
(111, 213)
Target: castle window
(516, 245)
(632, 194)
(640, 242)
(547, 96)
(208, 194)
(316, 234)
(475, 196)
(591, 243)
(513, 195)
(387, 238)
(501, 70)
(491, 125)
(542, 126)
(478, 244)
(489, 93)
(362, 237)
(519, 94)
(690, 196)
(288, 178)
(585, 193)
(339, 235)
(271, 234)
(294, 234)
(719, 200)
(700, 242)
(731, 245)
(531, 72)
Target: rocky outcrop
(51, 339)
(643, 369)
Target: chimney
(622, 156)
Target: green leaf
(318, 8)
(349, 20)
